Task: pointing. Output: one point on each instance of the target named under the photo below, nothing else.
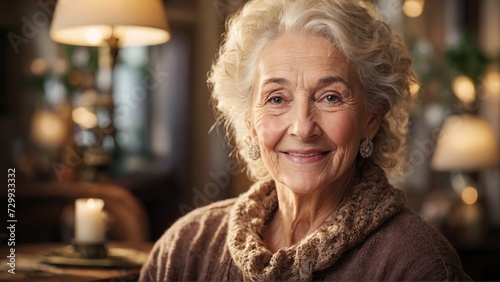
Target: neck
(299, 215)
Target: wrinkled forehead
(302, 54)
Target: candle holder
(90, 250)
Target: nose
(303, 123)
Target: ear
(251, 128)
(372, 125)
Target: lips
(306, 156)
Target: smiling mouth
(305, 155)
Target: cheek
(344, 130)
(270, 129)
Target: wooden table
(30, 265)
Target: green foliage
(467, 58)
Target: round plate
(116, 258)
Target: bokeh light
(84, 117)
(413, 8)
(464, 89)
(469, 195)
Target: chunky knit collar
(371, 201)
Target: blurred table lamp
(111, 23)
(466, 144)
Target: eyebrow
(330, 80)
(321, 83)
(275, 80)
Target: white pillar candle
(89, 221)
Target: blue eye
(332, 98)
(275, 100)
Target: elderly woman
(315, 96)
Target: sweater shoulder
(416, 235)
(201, 222)
(417, 250)
(177, 254)
(404, 247)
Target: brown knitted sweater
(371, 236)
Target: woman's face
(307, 114)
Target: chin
(303, 186)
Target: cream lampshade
(92, 22)
(465, 143)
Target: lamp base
(90, 250)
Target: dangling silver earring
(366, 148)
(253, 151)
